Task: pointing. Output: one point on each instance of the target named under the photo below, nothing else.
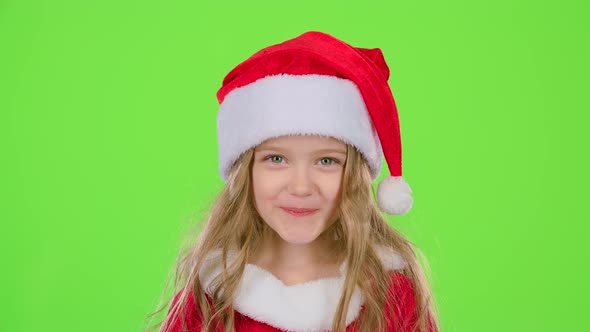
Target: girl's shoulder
(193, 320)
(186, 313)
(400, 299)
(401, 302)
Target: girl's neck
(294, 263)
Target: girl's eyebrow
(274, 148)
(331, 150)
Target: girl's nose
(301, 183)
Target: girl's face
(302, 172)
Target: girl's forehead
(306, 142)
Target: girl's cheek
(267, 182)
(331, 187)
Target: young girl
(295, 241)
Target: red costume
(275, 314)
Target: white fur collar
(308, 306)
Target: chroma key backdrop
(109, 156)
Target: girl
(295, 242)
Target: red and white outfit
(264, 304)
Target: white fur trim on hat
(286, 104)
(394, 195)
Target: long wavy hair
(233, 223)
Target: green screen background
(108, 145)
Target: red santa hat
(315, 84)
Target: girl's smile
(299, 212)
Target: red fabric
(403, 308)
(404, 305)
(316, 52)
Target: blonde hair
(233, 222)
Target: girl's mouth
(299, 212)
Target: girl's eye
(275, 158)
(324, 161)
(330, 161)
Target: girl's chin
(299, 238)
(298, 231)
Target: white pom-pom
(394, 195)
